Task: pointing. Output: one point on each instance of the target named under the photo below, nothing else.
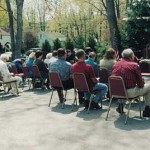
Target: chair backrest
(25, 72)
(80, 82)
(36, 72)
(55, 80)
(14, 69)
(145, 67)
(117, 87)
(104, 75)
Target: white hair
(49, 55)
(127, 53)
(4, 57)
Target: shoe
(119, 109)
(62, 100)
(146, 112)
(13, 92)
(95, 105)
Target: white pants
(145, 91)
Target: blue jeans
(101, 91)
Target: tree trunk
(19, 4)
(113, 26)
(11, 27)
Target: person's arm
(92, 75)
(140, 81)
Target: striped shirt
(130, 72)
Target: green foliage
(30, 40)
(46, 47)
(91, 43)
(69, 44)
(79, 42)
(135, 33)
(57, 44)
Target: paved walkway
(27, 123)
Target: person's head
(92, 55)
(68, 52)
(4, 57)
(80, 54)
(54, 53)
(32, 55)
(128, 54)
(110, 54)
(39, 54)
(23, 60)
(49, 55)
(61, 53)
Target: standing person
(131, 74)
(6, 75)
(42, 67)
(91, 61)
(109, 60)
(81, 67)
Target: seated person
(109, 60)
(42, 67)
(19, 63)
(81, 67)
(48, 57)
(7, 76)
(131, 74)
(63, 67)
(91, 61)
(70, 57)
(29, 63)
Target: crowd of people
(83, 61)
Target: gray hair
(127, 53)
(4, 57)
(49, 55)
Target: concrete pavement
(27, 123)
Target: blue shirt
(62, 67)
(94, 66)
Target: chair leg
(91, 98)
(62, 106)
(75, 99)
(140, 108)
(127, 116)
(50, 98)
(108, 109)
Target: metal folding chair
(117, 90)
(27, 76)
(37, 76)
(81, 85)
(4, 84)
(56, 83)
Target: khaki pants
(145, 91)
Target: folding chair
(56, 83)
(37, 76)
(117, 90)
(27, 76)
(4, 84)
(81, 85)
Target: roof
(4, 33)
(54, 35)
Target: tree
(113, 26)
(30, 40)
(69, 44)
(46, 47)
(91, 43)
(15, 45)
(57, 44)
